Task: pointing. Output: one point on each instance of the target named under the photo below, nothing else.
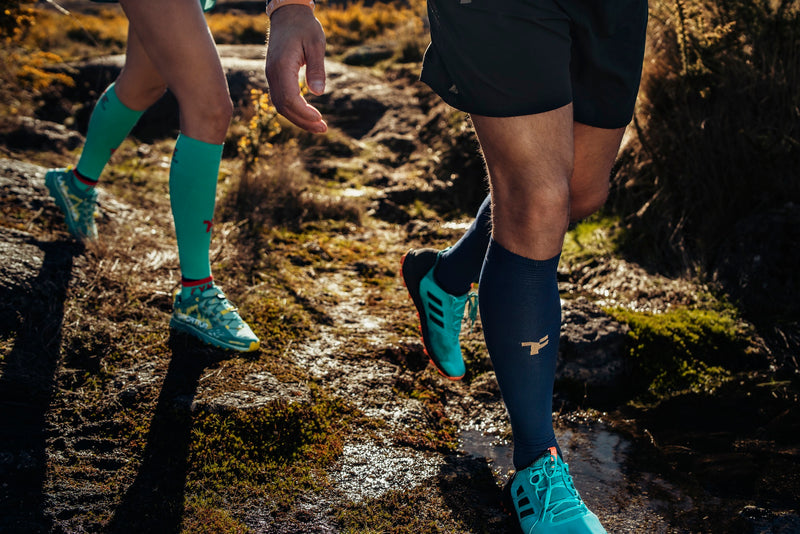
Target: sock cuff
(190, 282)
(202, 154)
(111, 95)
(499, 252)
(85, 180)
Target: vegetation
(683, 349)
(717, 124)
(715, 140)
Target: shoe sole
(208, 340)
(419, 306)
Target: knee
(585, 203)
(152, 93)
(533, 192)
(214, 114)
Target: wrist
(273, 5)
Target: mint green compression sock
(192, 188)
(109, 125)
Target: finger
(285, 94)
(315, 65)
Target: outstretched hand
(296, 38)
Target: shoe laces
(214, 301)
(472, 309)
(86, 206)
(556, 474)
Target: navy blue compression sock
(521, 317)
(461, 264)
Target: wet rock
(26, 133)
(368, 470)
(591, 359)
(368, 55)
(616, 282)
(259, 390)
(762, 521)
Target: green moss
(596, 236)
(276, 453)
(395, 512)
(682, 349)
(203, 515)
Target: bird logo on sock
(536, 346)
(208, 224)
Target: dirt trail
(105, 415)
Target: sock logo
(208, 224)
(536, 346)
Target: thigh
(530, 160)
(176, 39)
(499, 58)
(595, 152)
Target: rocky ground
(112, 423)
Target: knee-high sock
(192, 187)
(109, 125)
(461, 264)
(521, 316)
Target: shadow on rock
(33, 308)
(470, 491)
(155, 500)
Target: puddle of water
(597, 460)
(498, 452)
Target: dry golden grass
(355, 23)
(235, 28)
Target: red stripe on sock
(186, 282)
(83, 179)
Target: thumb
(315, 69)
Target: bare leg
(595, 152)
(177, 40)
(539, 166)
(530, 162)
(139, 85)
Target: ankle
(81, 183)
(190, 286)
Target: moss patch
(272, 454)
(683, 349)
(595, 236)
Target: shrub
(717, 124)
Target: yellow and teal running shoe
(440, 313)
(209, 316)
(79, 207)
(545, 499)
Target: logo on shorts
(208, 224)
(453, 88)
(536, 346)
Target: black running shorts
(503, 58)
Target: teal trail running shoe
(209, 316)
(440, 313)
(545, 499)
(79, 207)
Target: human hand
(296, 38)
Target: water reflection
(599, 462)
